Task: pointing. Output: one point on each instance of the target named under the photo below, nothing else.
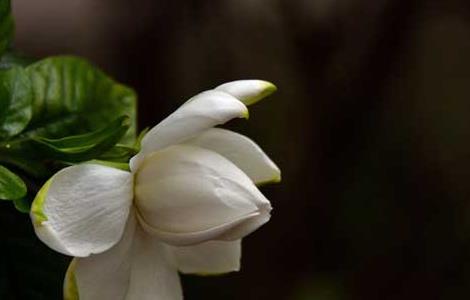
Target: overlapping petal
(138, 267)
(154, 274)
(190, 199)
(83, 209)
(209, 258)
(188, 195)
(250, 225)
(240, 150)
(203, 111)
(105, 275)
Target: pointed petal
(187, 195)
(248, 91)
(138, 267)
(209, 258)
(199, 113)
(240, 150)
(83, 209)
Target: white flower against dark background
(188, 200)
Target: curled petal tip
(277, 179)
(246, 114)
(248, 91)
(269, 88)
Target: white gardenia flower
(187, 202)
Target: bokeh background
(370, 127)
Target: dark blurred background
(370, 127)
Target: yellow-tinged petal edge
(37, 213)
(70, 282)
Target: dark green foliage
(54, 112)
(62, 110)
(85, 146)
(11, 186)
(15, 102)
(70, 96)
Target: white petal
(138, 267)
(209, 258)
(154, 274)
(83, 209)
(244, 228)
(199, 113)
(105, 275)
(240, 150)
(189, 195)
(221, 232)
(248, 91)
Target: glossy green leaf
(85, 146)
(7, 25)
(15, 102)
(119, 153)
(70, 97)
(11, 186)
(122, 153)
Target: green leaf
(123, 153)
(70, 97)
(119, 153)
(7, 25)
(85, 146)
(22, 205)
(11, 186)
(118, 156)
(15, 102)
